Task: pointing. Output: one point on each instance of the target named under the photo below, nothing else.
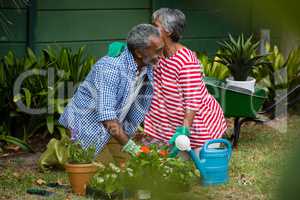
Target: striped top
(178, 86)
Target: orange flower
(163, 153)
(145, 149)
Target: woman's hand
(188, 118)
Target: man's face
(152, 54)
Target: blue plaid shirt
(102, 95)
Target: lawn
(255, 168)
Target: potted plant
(240, 58)
(80, 166)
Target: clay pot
(79, 176)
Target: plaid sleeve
(106, 83)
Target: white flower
(114, 167)
(114, 175)
(129, 169)
(100, 180)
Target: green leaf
(31, 55)
(2, 73)
(10, 58)
(60, 105)
(50, 123)
(27, 97)
(23, 145)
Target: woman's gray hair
(139, 36)
(172, 20)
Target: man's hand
(116, 131)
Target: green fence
(95, 23)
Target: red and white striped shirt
(178, 86)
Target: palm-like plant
(240, 56)
(211, 68)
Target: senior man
(114, 97)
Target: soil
(12, 156)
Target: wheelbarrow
(239, 103)
(242, 104)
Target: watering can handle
(226, 142)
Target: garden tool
(41, 192)
(211, 162)
(181, 130)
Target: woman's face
(162, 31)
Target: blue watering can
(211, 162)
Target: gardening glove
(115, 49)
(131, 148)
(180, 130)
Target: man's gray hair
(172, 20)
(139, 36)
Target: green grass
(255, 168)
(257, 164)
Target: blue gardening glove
(131, 148)
(180, 130)
(115, 49)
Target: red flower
(145, 149)
(163, 153)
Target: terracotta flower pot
(79, 175)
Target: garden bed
(255, 168)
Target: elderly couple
(155, 79)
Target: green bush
(44, 88)
(282, 73)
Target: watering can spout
(182, 142)
(200, 164)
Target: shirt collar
(132, 65)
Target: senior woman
(180, 97)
